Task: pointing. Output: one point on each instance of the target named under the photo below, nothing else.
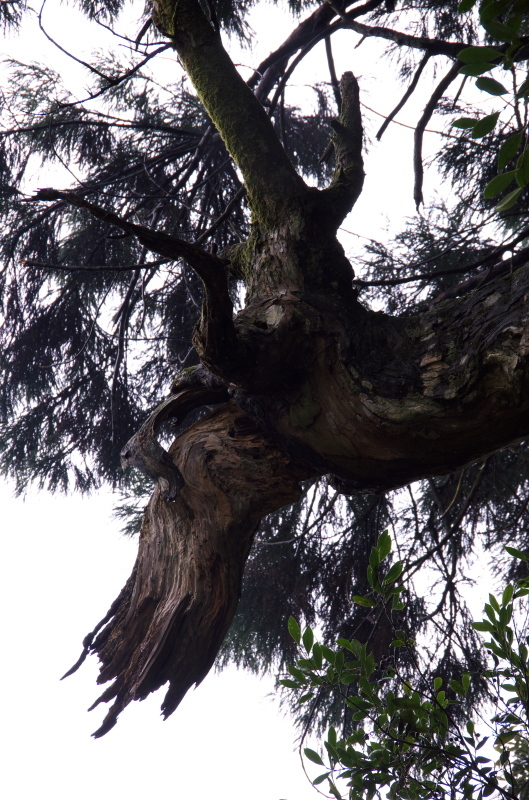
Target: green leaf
(492, 8)
(328, 654)
(353, 645)
(491, 86)
(305, 698)
(320, 778)
(485, 125)
(522, 169)
(494, 603)
(523, 90)
(313, 756)
(397, 643)
(464, 122)
(437, 683)
(498, 184)
(317, 655)
(465, 680)
(509, 149)
(507, 594)
(394, 573)
(289, 684)
(475, 55)
(509, 201)
(466, 5)
(500, 31)
(374, 558)
(308, 639)
(294, 630)
(297, 674)
(334, 791)
(384, 545)
(476, 69)
(483, 626)
(362, 601)
(517, 553)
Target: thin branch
(409, 91)
(435, 47)
(63, 50)
(157, 241)
(116, 81)
(104, 268)
(332, 73)
(315, 25)
(430, 107)
(492, 256)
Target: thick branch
(270, 178)
(204, 263)
(193, 389)
(348, 178)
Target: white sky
(65, 562)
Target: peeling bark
(170, 619)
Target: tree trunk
(318, 385)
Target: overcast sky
(65, 561)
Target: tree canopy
(332, 406)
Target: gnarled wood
(170, 619)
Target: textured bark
(170, 619)
(318, 385)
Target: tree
(306, 380)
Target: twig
(421, 125)
(105, 268)
(406, 96)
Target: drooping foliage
(95, 328)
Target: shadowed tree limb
(314, 28)
(270, 178)
(348, 179)
(408, 93)
(421, 125)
